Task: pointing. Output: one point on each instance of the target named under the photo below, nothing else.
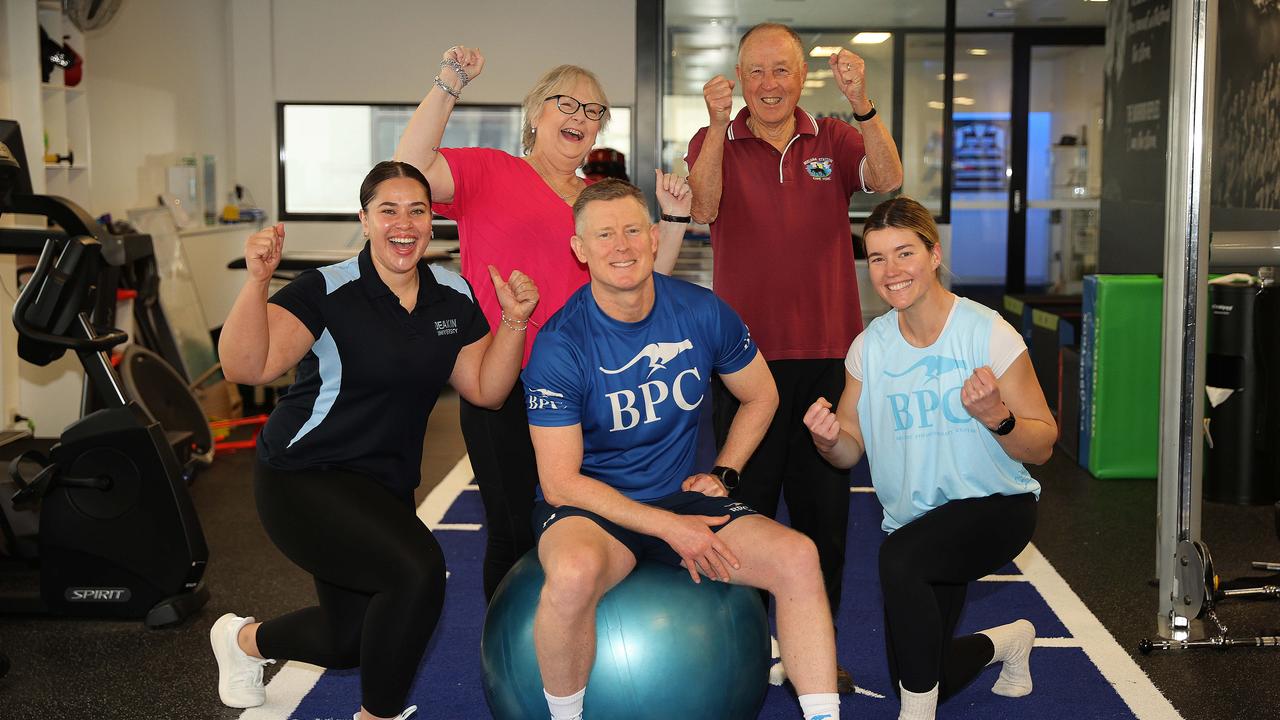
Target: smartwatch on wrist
(1006, 426)
(870, 114)
(728, 476)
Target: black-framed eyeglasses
(569, 105)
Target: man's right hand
(262, 252)
(699, 548)
(823, 424)
(718, 93)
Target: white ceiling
(881, 14)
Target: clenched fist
(718, 93)
(262, 252)
(851, 75)
(470, 59)
(980, 396)
(823, 424)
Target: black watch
(870, 113)
(1006, 426)
(728, 476)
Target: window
(327, 149)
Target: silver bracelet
(514, 324)
(457, 68)
(445, 87)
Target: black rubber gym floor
(1099, 535)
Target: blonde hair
(557, 78)
(905, 213)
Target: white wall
(158, 90)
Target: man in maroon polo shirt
(774, 184)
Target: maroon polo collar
(806, 124)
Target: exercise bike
(118, 535)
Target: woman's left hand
(517, 296)
(674, 195)
(980, 395)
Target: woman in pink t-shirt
(516, 212)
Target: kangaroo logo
(658, 355)
(547, 393)
(934, 365)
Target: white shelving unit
(65, 112)
(54, 119)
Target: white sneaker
(239, 674)
(405, 715)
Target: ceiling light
(961, 100)
(824, 50)
(870, 38)
(936, 105)
(978, 52)
(958, 76)
(815, 83)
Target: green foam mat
(1120, 373)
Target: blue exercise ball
(665, 648)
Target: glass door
(1064, 166)
(1056, 164)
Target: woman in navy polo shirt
(375, 339)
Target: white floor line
(861, 489)
(285, 692)
(289, 686)
(1003, 578)
(1057, 642)
(1116, 665)
(471, 527)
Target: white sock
(820, 706)
(1013, 648)
(565, 708)
(918, 706)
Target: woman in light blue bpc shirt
(942, 398)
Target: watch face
(1006, 426)
(728, 476)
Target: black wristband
(1006, 426)
(677, 218)
(728, 476)
(870, 114)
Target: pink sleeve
(465, 164)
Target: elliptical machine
(118, 534)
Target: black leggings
(925, 567)
(502, 459)
(786, 463)
(379, 576)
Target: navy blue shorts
(646, 547)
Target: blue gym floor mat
(1067, 682)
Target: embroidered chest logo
(447, 327)
(819, 168)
